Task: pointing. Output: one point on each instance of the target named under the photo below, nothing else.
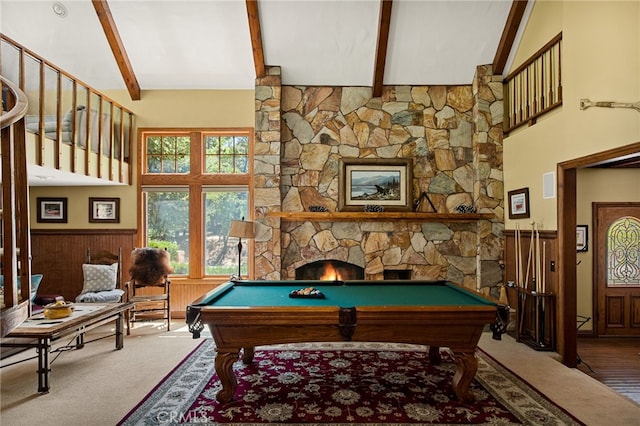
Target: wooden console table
(42, 332)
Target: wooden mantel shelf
(379, 217)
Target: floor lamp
(241, 229)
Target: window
(623, 252)
(168, 154)
(194, 183)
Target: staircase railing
(69, 125)
(535, 87)
(16, 238)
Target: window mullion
(197, 153)
(196, 231)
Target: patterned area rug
(343, 383)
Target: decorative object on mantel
(318, 209)
(418, 203)
(373, 208)
(586, 103)
(464, 208)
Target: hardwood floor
(613, 361)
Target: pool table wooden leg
(224, 368)
(467, 365)
(247, 354)
(434, 355)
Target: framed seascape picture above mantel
(379, 182)
(51, 210)
(519, 204)
(104, 210)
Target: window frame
(196, 182)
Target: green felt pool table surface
(347, 294)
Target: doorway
(567, 195)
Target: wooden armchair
(149, 286)
(102, 272)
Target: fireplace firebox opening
(397, 274)
(330, 270)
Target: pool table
(244, 314)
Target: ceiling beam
(381, 46)
(256, 37)
(119, 52)
(509, 35)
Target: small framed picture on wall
(582, 232)
(104, 210)
(519, 204)
(51, 210)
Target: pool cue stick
(520, 283)
(538, 266)
(544, 267)
(536, 282)
(515, 252)
(529, 267)
(519, 254)
(526, 282)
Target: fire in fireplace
(330, 270)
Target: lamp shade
(242, 229)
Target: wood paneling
(548, 244)
(550, 256)
(59, 255)
(185, 292)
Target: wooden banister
(535, 87)
(93, 133)
(16, 240)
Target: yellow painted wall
(601, 62)
(157, 108)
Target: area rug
(343, 383)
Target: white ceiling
(206, 44)
(175, 44)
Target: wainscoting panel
(548, 250)
(59, 255)
(184, 292)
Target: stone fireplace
(453, 136)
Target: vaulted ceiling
(139, 45)
(223, 44)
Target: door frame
(566, 204)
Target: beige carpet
(99, 385)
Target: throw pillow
(99, 277)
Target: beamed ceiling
(224, 44)
(139, 45)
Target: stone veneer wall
(453, 134)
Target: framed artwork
(51, 210)
(380, 182)
(104, 210)
(582, 237)
(519, 203)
